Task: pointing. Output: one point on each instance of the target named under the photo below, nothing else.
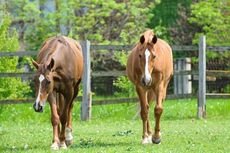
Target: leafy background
(25, 24)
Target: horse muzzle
(146, 82)
(38, 108)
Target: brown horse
(150, 68)
(59, 72)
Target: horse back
(67, 54)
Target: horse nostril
(41, 109)
(143, 81)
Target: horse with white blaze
(150, 68)
(59, 72)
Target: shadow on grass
(42, 148)
(25, 148)
(99, 145)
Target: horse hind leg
(64, 107)
(63, 119)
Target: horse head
(44, 83)
(147, 55)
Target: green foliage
(213, 17)
(121, 57)
(116, 22)
(10, 87)
(126, 88)
(165, 12)
(162, 33)
(164, 15)
(214, 21)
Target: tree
(10, 87)
(101, 22)
(214, 19)
(165, 15)
(182, 31)
(112, 21)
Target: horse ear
(154, 40)
(51, 64)
(142, 39)
(36, 65)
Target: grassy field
(113, 129)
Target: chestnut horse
(150, 68)
(59, 72)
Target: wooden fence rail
(120, 48)
(29, 75)
(87, 100)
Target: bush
(125, 87)
(10, 87)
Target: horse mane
(50, 45)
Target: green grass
(113, 129)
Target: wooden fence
(87, 101)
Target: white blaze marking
(147, 74)
(41, 78)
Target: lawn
(114, 129)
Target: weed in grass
(123, 133)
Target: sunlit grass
(114, 129)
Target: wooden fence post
(202, 78)
(86, 97)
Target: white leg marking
(147, 140)
(41, 78)
(63, 145)
(54, 146)
(69, 135)
(147, 74)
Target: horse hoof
(68, 142)
(54, 146)
(156, 140)
(147, 140)
(63, 145)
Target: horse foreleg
(68, 131)
(144, 113)
(55, 122)
(157, 113)
(150, 96)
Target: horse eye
(140, 55)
